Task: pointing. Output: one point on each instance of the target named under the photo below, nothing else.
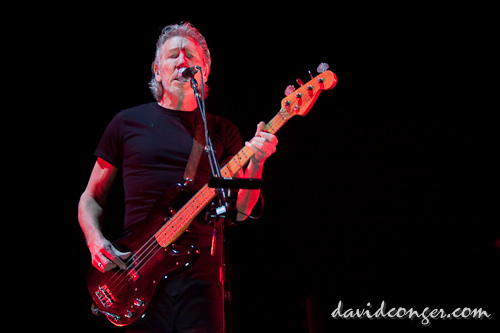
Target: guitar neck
(184, 216)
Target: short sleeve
(110, 147)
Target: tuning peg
(312, 77)
(322, 67)
(289, 89)
(299, 81)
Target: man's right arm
(104, 255)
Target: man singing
(150, 145)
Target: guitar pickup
(132, 272)
(134, 275)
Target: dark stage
(383, 192)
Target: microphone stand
(225, 214)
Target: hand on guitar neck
(263, 144)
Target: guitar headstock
(300, 101)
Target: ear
(157, 73)
(205, 74)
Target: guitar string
(118, 277)
(143, 259)
(109, 282)
(122, 283)
(141, 256)
(151, 250)
(119, 280)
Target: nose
(181, 60)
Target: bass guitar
(123, 295)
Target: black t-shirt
(151, 145)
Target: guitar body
(124, 295)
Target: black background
(382, 192)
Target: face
(178, 52)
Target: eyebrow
(186, 49)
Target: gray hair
(185, 29)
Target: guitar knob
(139, 302)
(129, 314)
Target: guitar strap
(196, 150)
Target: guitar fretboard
(184, 216)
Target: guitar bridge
(105, 296)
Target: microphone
(186, 73)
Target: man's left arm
(263, 145)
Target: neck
(180, 102)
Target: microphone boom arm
(214, 166)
